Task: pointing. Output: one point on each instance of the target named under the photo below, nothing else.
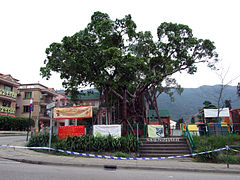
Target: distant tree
(193, 120)
(228, 104)
(180, 121)
(207, 105)
(238, 89)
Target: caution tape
(234, 150)
(114, 157)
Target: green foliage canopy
(113, 54)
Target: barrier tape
(113, 157)
(234, 150)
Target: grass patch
(208, 143)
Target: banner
(74, 112)
(192, 127)
(210, 113)
(155, 131)
(103, 130)
(65, 131)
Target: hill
(191, 100)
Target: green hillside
(191, 100)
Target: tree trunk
(111, 112)
(107, 106)
(124, 110)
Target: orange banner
(74, 112)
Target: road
(20, 171)
(11, 139)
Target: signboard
(155, 131)
(192, 127)
(65, 131)
(74, 112)
(104, 130)
(210, 113)
(51, 105)
(163, 139)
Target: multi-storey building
(62, 100)
(8, 94)
(90, 97)
(41, 96)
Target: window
(28, 95)
(62, 102)
(88, 103)
(8, 88)
(6, 104)
(25, 109)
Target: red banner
(65, 131)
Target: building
(8, 94)
(41, 96)
(152, 117)
(62, 100)
(90, 97)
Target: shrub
(87, 143)
(41, 140)
(14, 123)
(207, 143)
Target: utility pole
(30, 110)
(51, 106)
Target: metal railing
(189, 137)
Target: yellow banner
(192, 127)
(75, 112)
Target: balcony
(44, 116)
(8, 95)
(45, 102)
(4, 109)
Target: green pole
(137, 141)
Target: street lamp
(30, 110)
(38, 109)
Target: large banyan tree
(129, 68)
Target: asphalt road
(20, 171)
(11, 139)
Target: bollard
(227, 149)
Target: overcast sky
(28, 27)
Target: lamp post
(50, 109)
(30, 110)
(38, 110)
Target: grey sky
(28, 27)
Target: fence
(212, 129)
(141, 130)
(189, 137)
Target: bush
(207, 143)
(41, 140)
(87, 143)
(14, 123)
